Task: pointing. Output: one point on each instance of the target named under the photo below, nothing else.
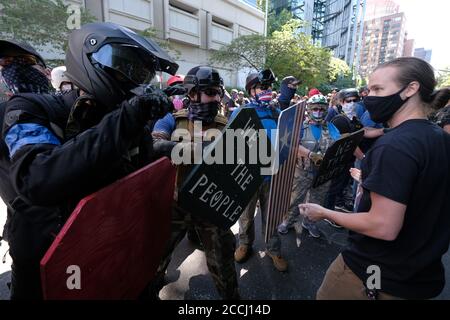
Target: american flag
(288, 138)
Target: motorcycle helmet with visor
(128, 61)
(107, 60)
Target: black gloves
(163, 148)
(176, 90)
(153, 103)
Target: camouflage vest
(182, 122)
(310, 142)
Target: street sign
(288, 139)
(112, 243)
(337, 158)
(220, 192)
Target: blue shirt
(165, 125)
(265, 114)
(366, 121)
(360, 109)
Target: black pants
(336, 193)
(26, 281)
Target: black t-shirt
(410, 165)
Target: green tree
(247, 51)
(275, 21)
(286, 51)
(39, 22)
(443, 78)
(338, 69)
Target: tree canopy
(287, 52)
(39, 22)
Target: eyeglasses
(318, 109)
(211, 92)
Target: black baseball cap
(291, 80)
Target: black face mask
(205, 112)
(381, 109)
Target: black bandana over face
(22, 78)
(205, 112)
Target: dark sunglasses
(318, 109)
(210, 92)
(24, 58)
(351, 100)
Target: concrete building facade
(194, 28)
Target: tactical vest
(182, 122)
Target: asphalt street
(188, 277)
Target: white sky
(428, 23)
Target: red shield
(111, 244)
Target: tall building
(408, 48)
(195, 28)
(301, 9)
(342, 28)
(334, 24)
(380, 8)
(423, 54)
(383, 40)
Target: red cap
(313, 92)
(178, 78)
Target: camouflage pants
(301, 186)
(218, 244)
(247, 221)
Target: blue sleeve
(360, 110)
(27, 134)
(165, 125)
(330, 115)
(234, 113)
(366, 121)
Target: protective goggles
(27, 59)
(266, 77)
(130, 61)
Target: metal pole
(267, 18)
(361, 33)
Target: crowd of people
(393, 196)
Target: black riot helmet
(348, 93)
(264, 77)
(107, 61)
(14, 47)
(202, 77)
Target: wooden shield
(111, 245)
(337, 158)
(220, 192)
(288, 139)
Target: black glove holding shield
(175, 90)
(153, 102)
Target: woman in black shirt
(403, 227)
